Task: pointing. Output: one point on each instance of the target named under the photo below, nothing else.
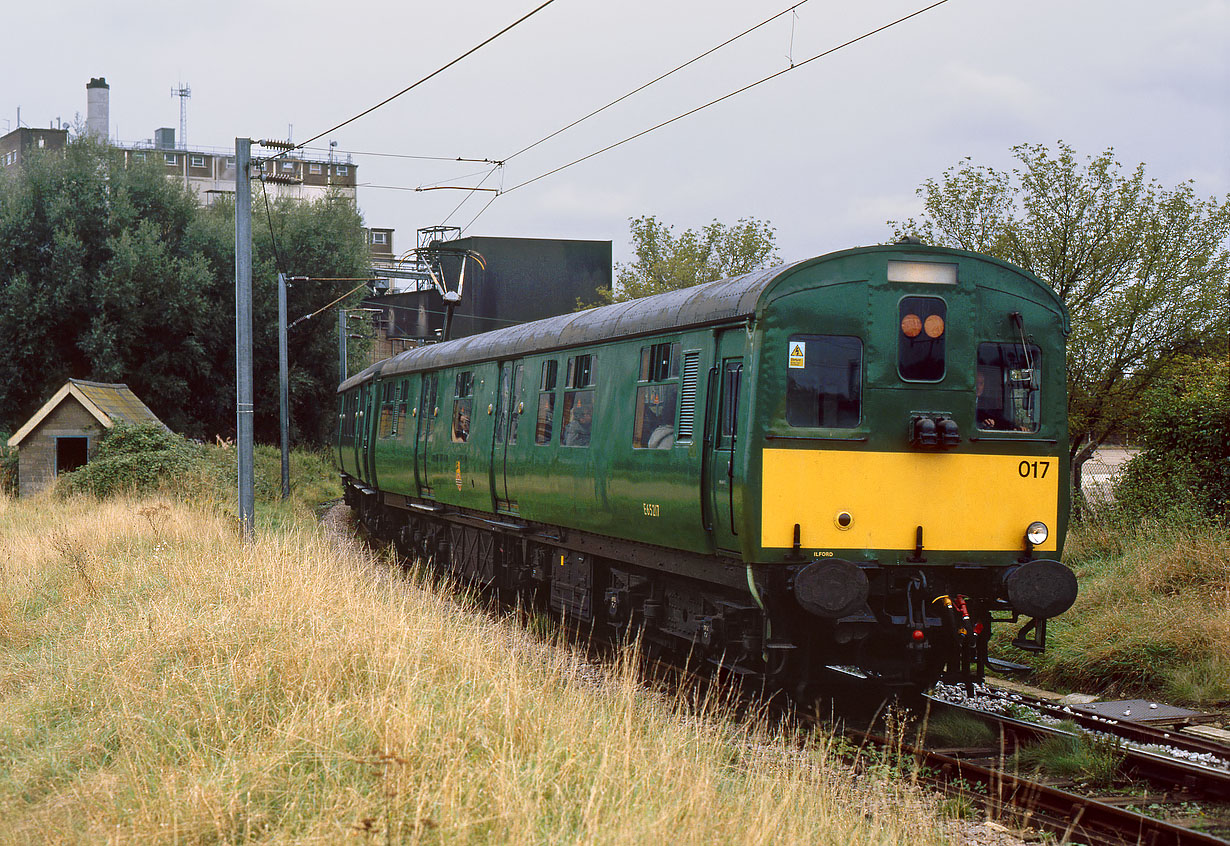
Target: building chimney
(98, 108)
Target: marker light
(918, 634)
(911, 325)
(1037, 533)
(934, 326)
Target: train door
(726, 434)
(426, 416)
(509, 406)
(371, 402)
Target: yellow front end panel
(963, 502)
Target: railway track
(1025, 803)
(1180, 771)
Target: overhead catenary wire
(417, 309)
(277, 257)
(424, 79)
(614, 102)
(657, 79)
(714, 102)
(353, 290)
(401, 155)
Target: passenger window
(400, 409)
(654, 425)
(388, 410)
(546, 403)
(1007, 386)
(921, 333)
(578, 414)
(463, 400)
(654, 420)
(578, 418)
(824, 381)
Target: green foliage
(8, 465)
(1150, 620)
(959, 729)
(139, 458)
(667, 262)
(110, 271)
(1081, 757)
(146, 458)
(1185, 432)
(1142, 268)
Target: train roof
(712, 303)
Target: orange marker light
(911, 325)
(934, 327)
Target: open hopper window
(1007, 387)
(921, 337)
(824, 381)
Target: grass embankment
(1153, 615)
(160, 681)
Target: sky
(827, 152)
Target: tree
(1185, 432)
(1142, 269)
(666, 262)
(110, 271)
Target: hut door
(71, 453)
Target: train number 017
(652, 510)
(1033, 469)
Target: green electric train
(857, 460)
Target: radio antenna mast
(183, 92)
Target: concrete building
(210, 172)
(18, 144)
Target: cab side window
(824, 381)
(1007, 387)
(653, 426)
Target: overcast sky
(827, 152)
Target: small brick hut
(64, 433)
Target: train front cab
(910, 414)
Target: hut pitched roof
(108, 403)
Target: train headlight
(1037, 533)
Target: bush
(134, 458)
(1185, 464)
(8, 466)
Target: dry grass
(161, 682)
(1153, 615)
